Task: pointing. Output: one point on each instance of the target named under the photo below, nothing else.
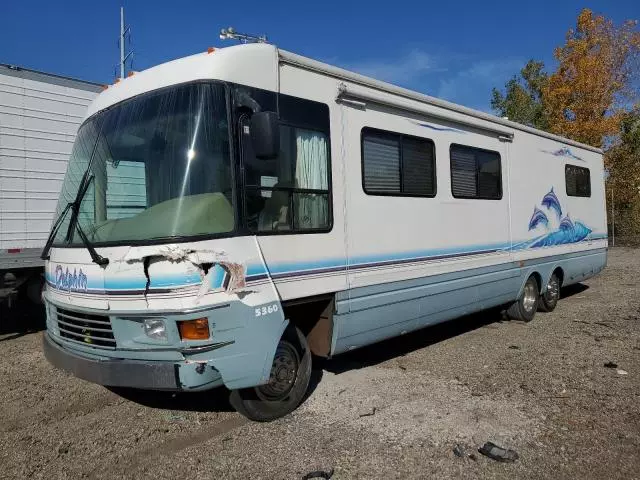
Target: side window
(395, 164)
(475, 173)
(577, 180)
(291, 193)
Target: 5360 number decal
(266, 310)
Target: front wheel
(287, 385)
(549, 299)
(524, 308)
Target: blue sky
(455, 50)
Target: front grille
(87, 329)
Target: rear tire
(549, 299)
(524, 308)
(287, 386)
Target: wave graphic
(550, 200)
(538, 218)
(569, 234)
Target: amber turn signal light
(197, 329)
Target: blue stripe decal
(437, 129)
(283, 270)
(256, 272)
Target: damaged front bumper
(97, 318)
(143, 374)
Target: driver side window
(291, 192)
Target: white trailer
(39, 117)
(275, 206)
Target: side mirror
(265, 134)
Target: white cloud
(471, 85)
(455, 77)
(400, 70)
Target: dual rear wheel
(530, 300)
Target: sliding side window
(475, 173)
(396, 164)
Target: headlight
(155, 328)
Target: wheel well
(314, 317)
(538, 279)
(560, 273)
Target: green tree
(522, 100)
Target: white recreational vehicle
(39, 116)
(278, 207)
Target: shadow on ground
(21, 319)
(572, 290)
(400, 346)
(405, 344)
(216, 399)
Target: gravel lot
(392, 410)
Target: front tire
(287, 385)
(549, 299)
(524, 308)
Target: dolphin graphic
(538, 218)
(566, 224)
(551, 202)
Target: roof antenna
(231, 34)
(124, 32)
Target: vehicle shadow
(571, 290)
(21, 319)
(399, 346)
(216, 399)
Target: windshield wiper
(85, 181)
(95, 256)
(75, 207)
(54, 231)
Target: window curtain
(311, 173)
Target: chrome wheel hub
(283, 373)
(553, 290)
(530, 297)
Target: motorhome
(278, 208)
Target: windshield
(160, 169)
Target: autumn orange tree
(596, 80)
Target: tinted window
(291, 192)
(578, 181)
(395, 164)
(475, 173)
